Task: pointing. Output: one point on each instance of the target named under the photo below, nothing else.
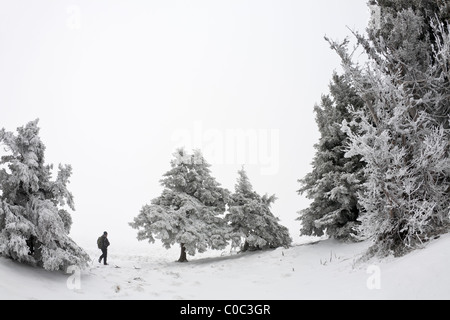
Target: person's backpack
(99, 242)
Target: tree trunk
(245, 247)
(182, 254)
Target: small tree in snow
(34, 227)
(251, 219)
(190, 209)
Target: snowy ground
(321, 270)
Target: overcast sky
(118, 85)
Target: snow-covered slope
(319, 270)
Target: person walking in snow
(103, 244)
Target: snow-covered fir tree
(334, 181)
(190, 211)
(403, 130)
(252, 220)
(34, 224)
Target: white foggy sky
(118, 85)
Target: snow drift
(311, 270)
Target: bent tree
(34, 224)
(251, 218)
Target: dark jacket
(104, 242)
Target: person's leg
(105, 256)
(102, 256)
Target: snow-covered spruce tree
(190, 211)
(334, 181)
(404, 135)
(404, 43)
(251, 219)
(34, 227)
